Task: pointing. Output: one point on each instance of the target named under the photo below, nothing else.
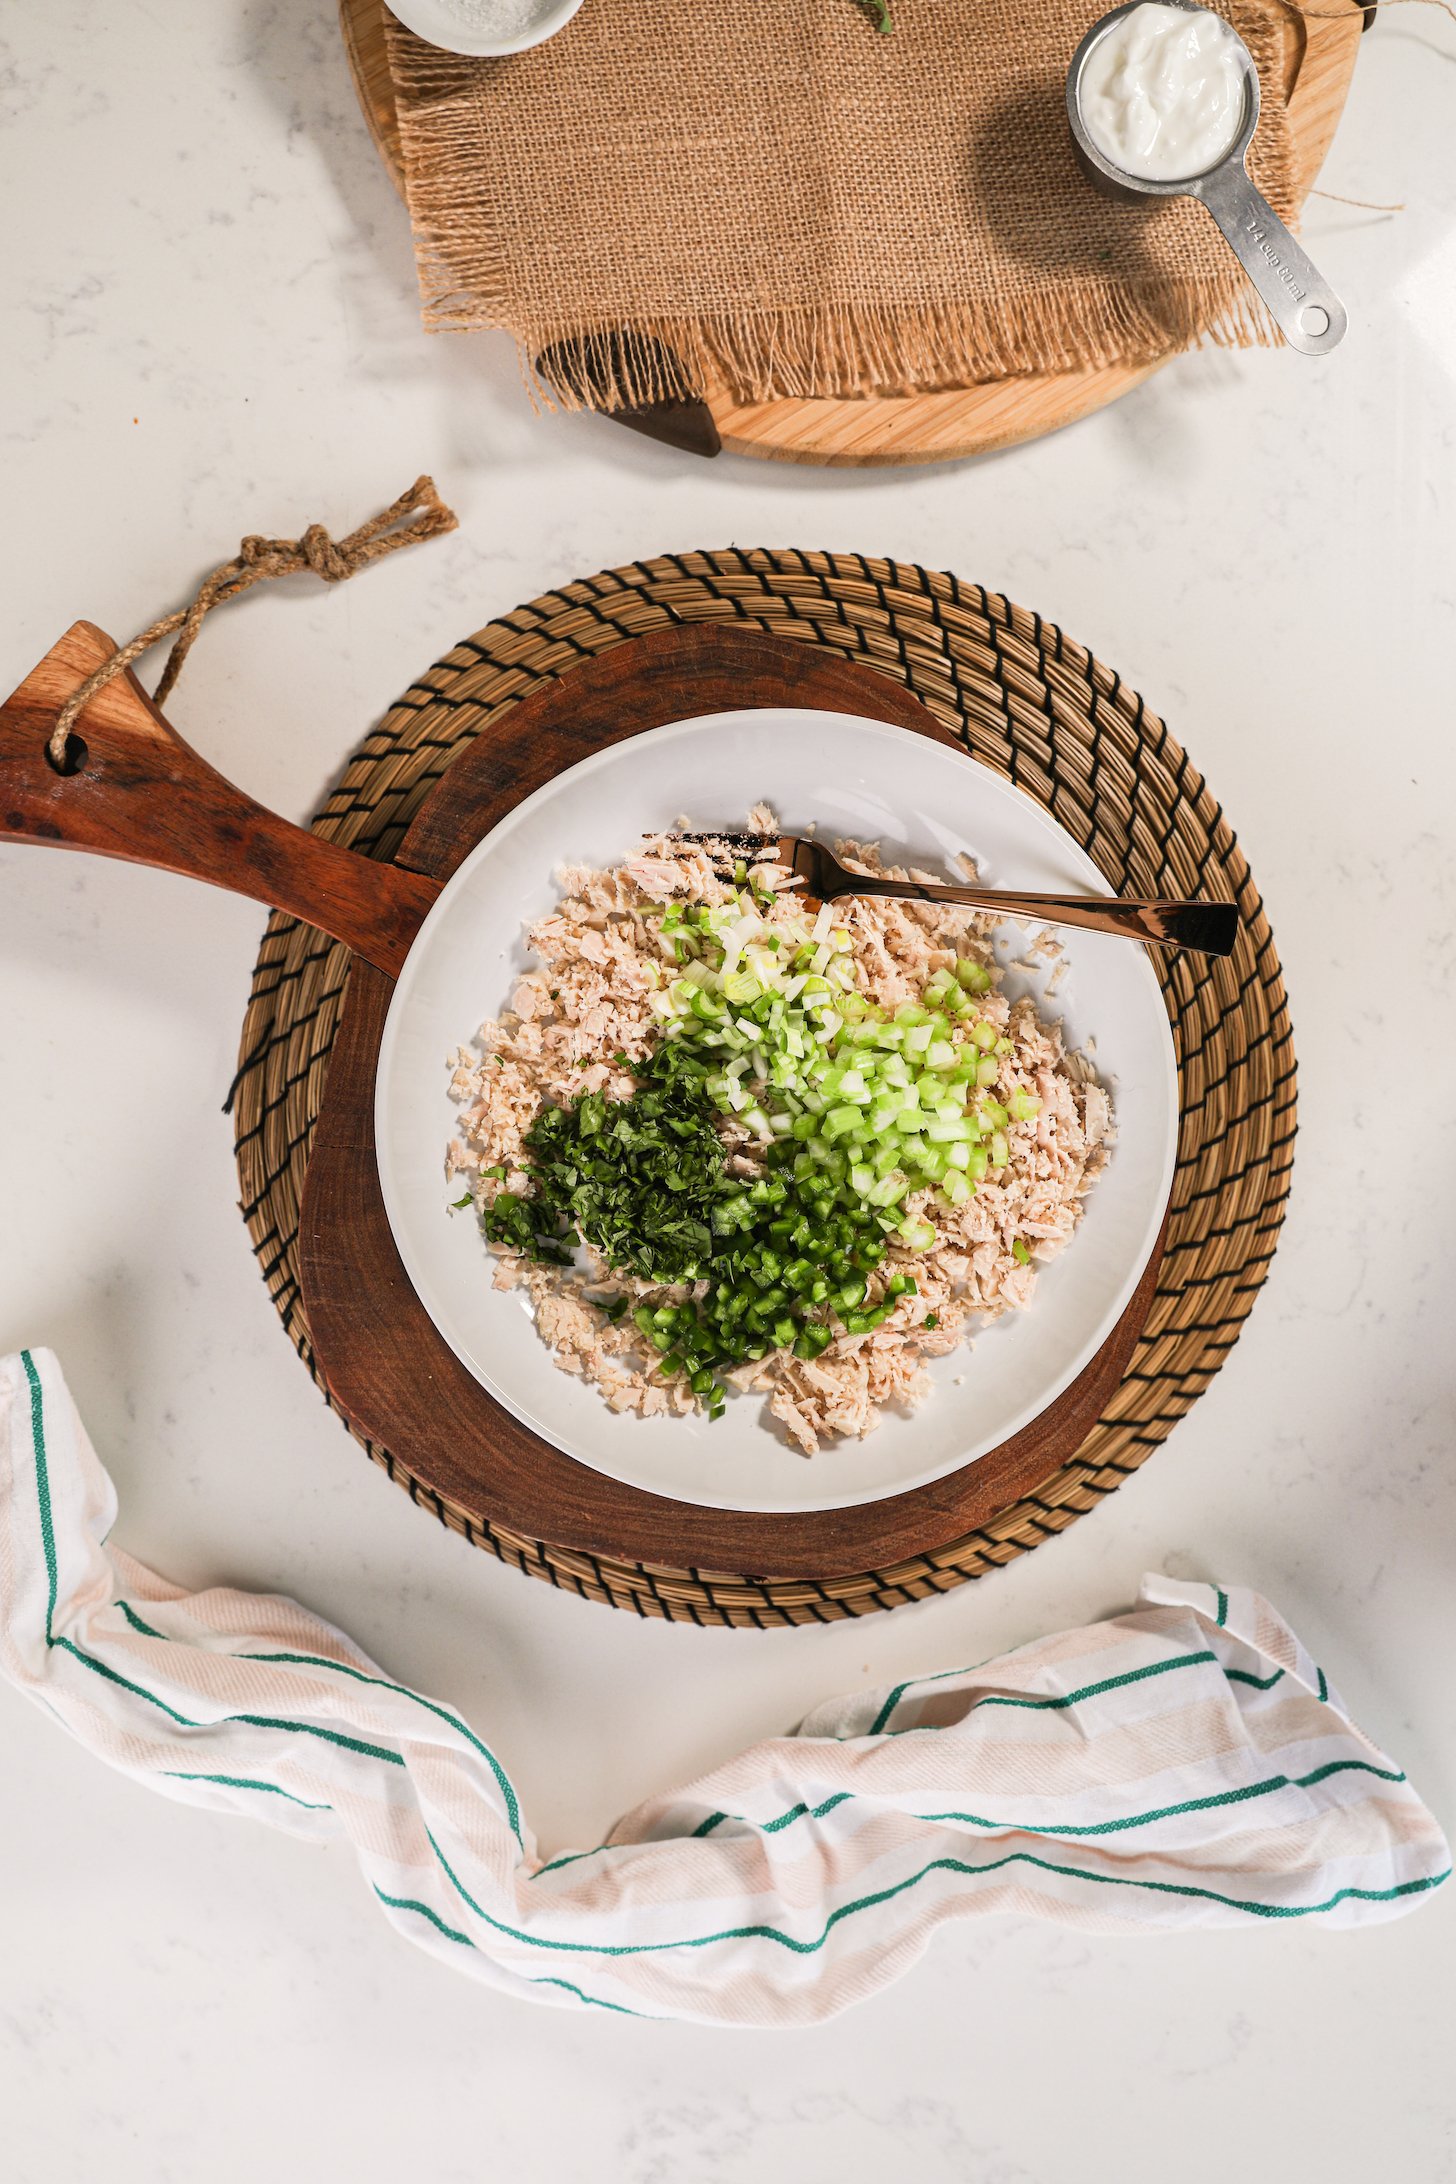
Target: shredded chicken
(580, 1019)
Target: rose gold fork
(1204, 928)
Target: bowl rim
(430, 20)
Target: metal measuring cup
(1306, 309)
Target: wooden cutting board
(920, 428)
(386, 1365)
(135, 790)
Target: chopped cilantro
(645, 1182)
(639, 1178)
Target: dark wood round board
(384, 1363)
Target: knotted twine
(418, 514)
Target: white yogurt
(1162, 92)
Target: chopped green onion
(852, 1108)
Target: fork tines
(725, 845)
(742, 838)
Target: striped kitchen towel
(1186, 1764)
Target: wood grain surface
(1319, 60)
(384, 1363)
(140, 793)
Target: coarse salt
(498, 18)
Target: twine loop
(418, 514)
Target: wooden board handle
(139, 792)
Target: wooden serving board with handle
(139, 792)
(1319, 60)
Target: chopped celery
(890, 1189)
(853, 1107)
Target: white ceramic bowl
(925, 803)
(439, 25)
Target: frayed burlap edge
(808, 355)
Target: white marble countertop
(209, 327)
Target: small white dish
(925, 803)
(441, 25)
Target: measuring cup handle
(1306, 309)
(139, 792)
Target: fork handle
(1208, 928)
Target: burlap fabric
(796, 206)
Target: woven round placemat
(1039, 709)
